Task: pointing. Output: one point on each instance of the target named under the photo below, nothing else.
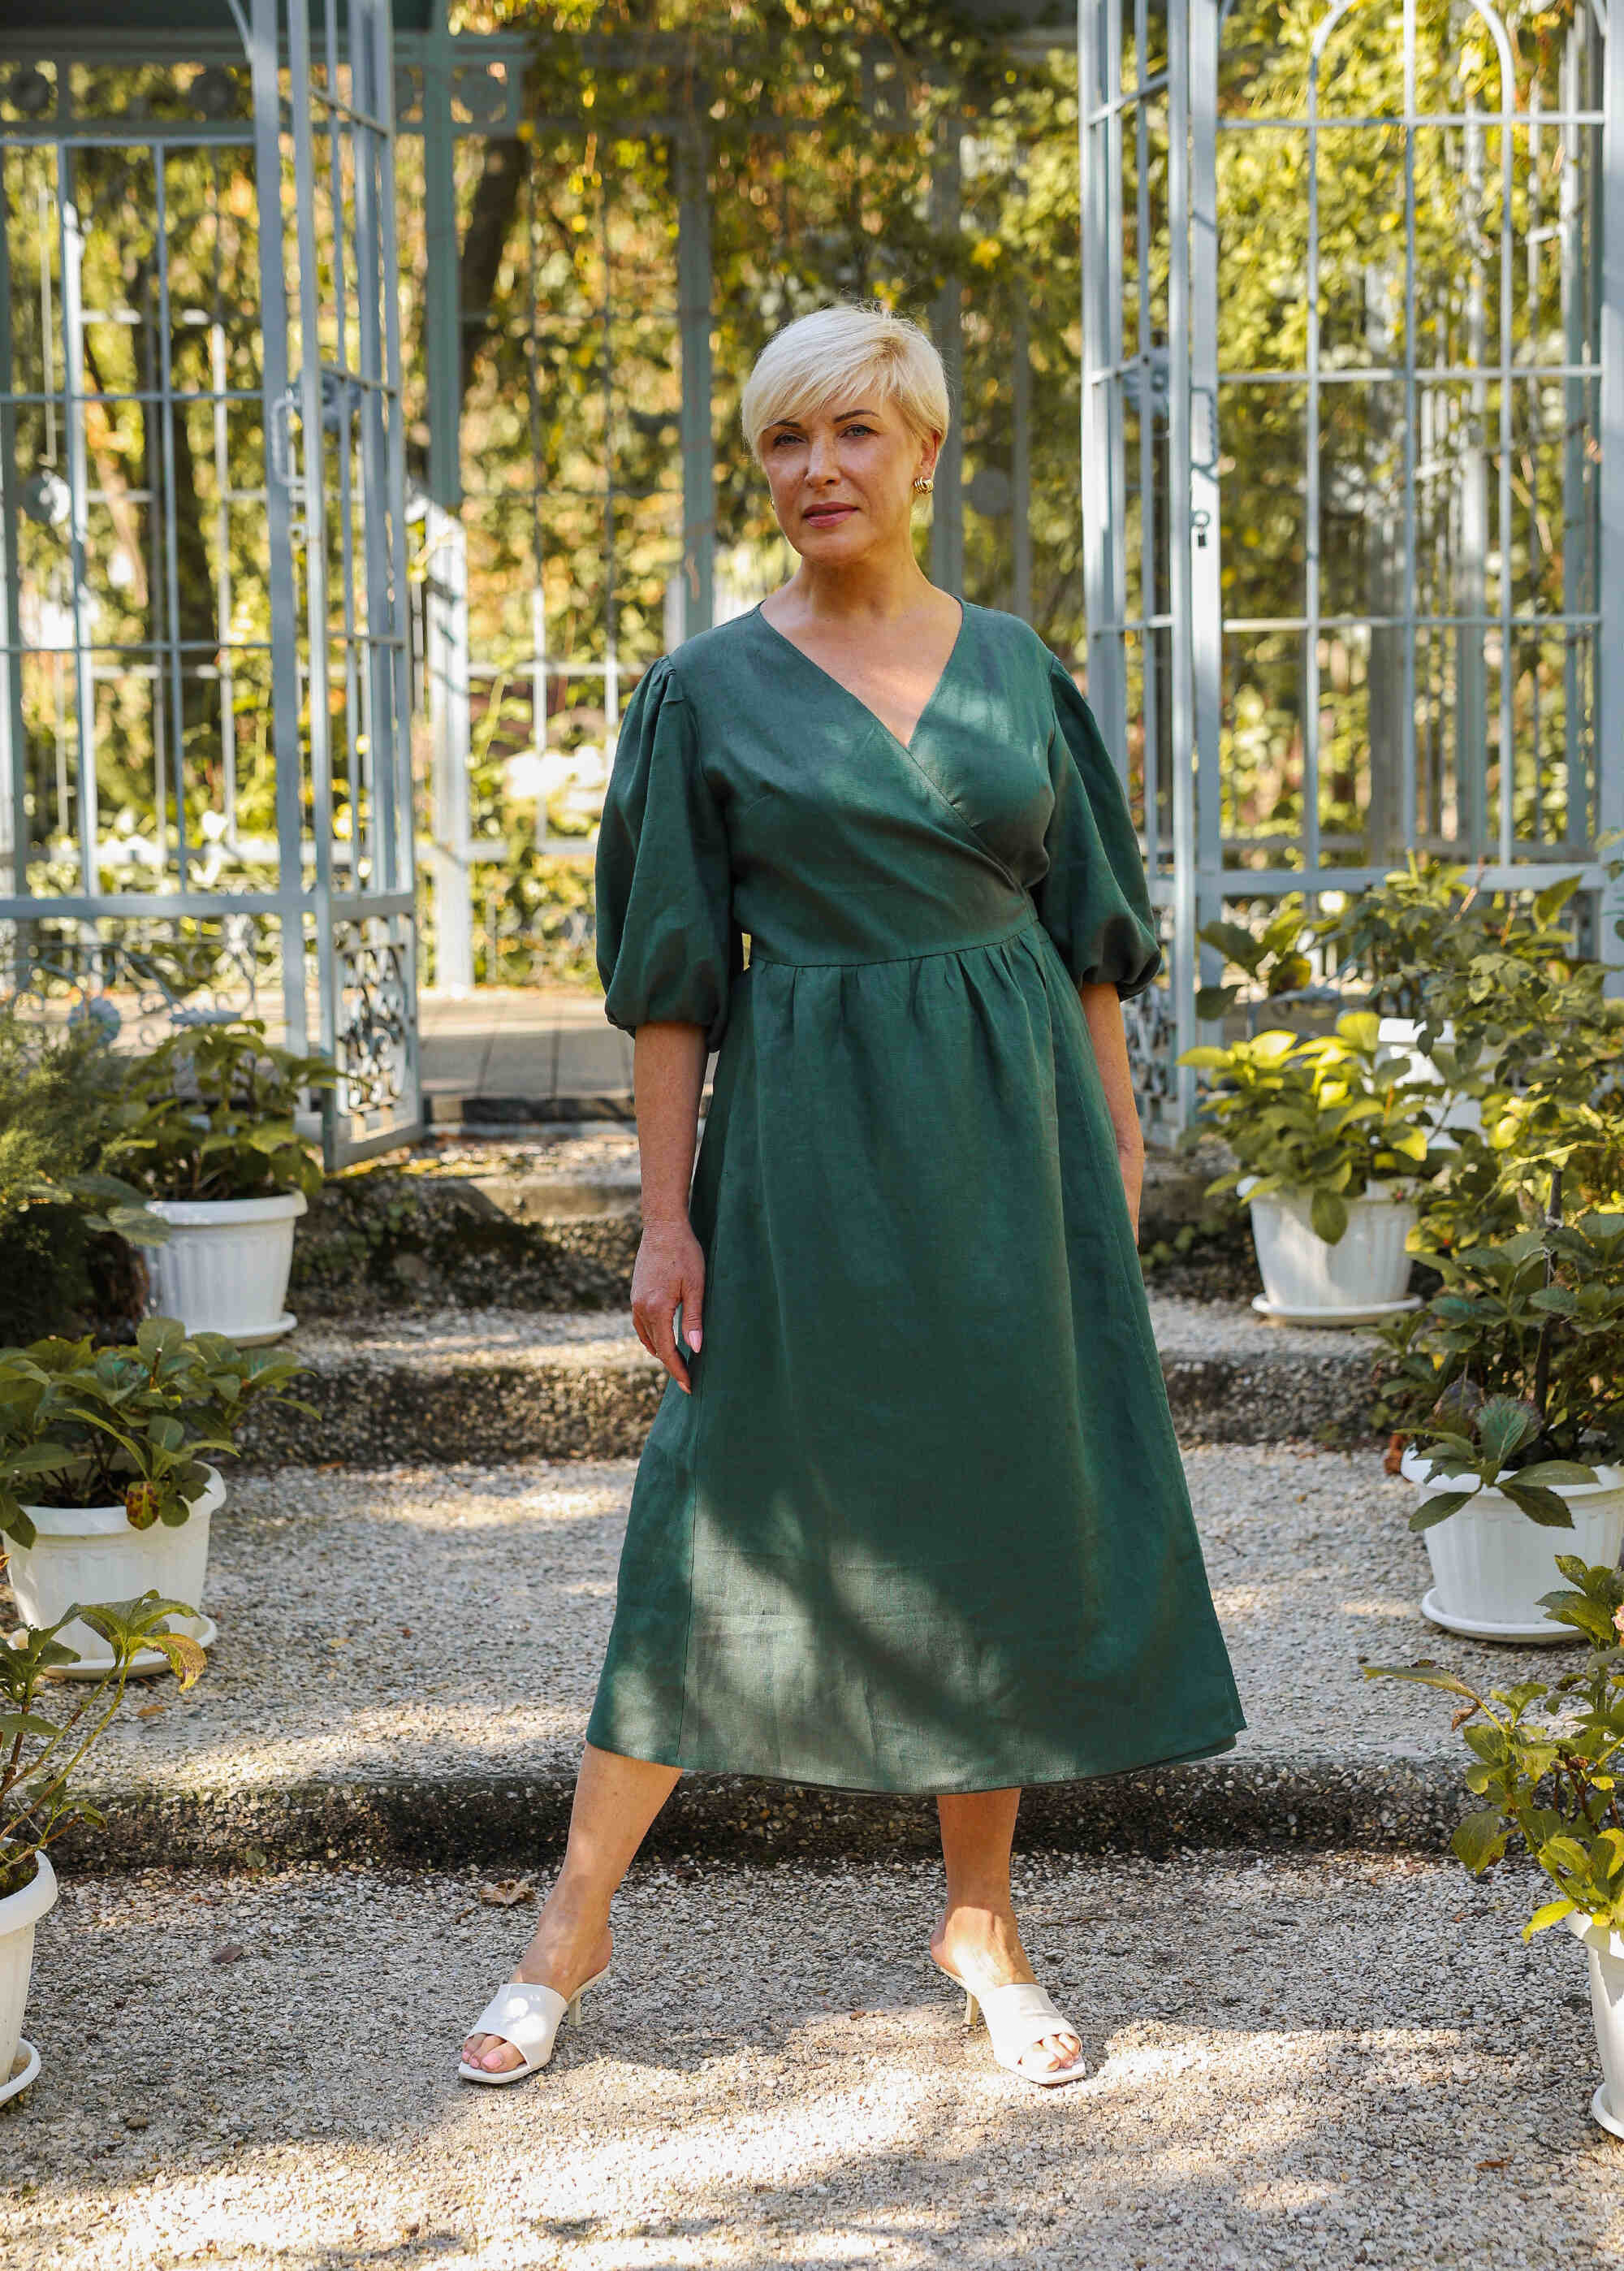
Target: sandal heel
(972, 2008)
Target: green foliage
(83, 1426)
(42, 1746)
(1547, 1756)
(1315, 1117)
(209, 1114)
(1532, 1325)
(1271, 957)
(62, 1217)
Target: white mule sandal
(527, 2015)
(1017, 2018)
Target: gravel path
(1341, 2062)
(1189, 1331)
(435, 1622)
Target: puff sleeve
(1093, 901)
(668, 948)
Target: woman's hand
(669, 1268)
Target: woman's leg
(977, 1939)
(616, 1800)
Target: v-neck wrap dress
(922, 1524)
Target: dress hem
(958, 1789)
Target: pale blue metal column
(1610, 661)
(446, 593)
(1182, 756)
(1206, 639)
(283, 491)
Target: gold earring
(923, 482)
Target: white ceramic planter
(1490, 1563)
(224, 1267)
(87, 1553)
(19, 1912)
(1364, 1276)
(1605, 1950)
(1399, 1039)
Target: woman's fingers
(665, 1346)
(669, 1274)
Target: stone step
(406, 1659)
(495, 1385)
(551, 1223)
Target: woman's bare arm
(1102, 1008)
(668, 1075)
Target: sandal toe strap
(523, 2015)
(1020, 2015)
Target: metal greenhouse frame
(335, 657)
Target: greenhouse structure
(369, 389)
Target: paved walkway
(507, 1054)
(1339, 2061)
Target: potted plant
(1511, 1383)
(105, 1489)
(1547, 1761)
(207, 1133)
(41, 1752)
(1331, 1149)
(64, 1262)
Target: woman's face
(842, 484)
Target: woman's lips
(829, 512)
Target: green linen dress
(922, 1524)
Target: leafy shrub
(210, 1115)
(81, 1426)
(41, 1745)
(62, 1259)
(1547, 1756)
(1315, 1117)
(1516, 1361)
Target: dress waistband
(759, 953)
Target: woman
(911, 1516)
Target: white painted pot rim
(1409, 1466)
(208, 1214)
(19, 1910)
(108, 1521)
(1594, 1935)
(1394, 1192)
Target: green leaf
(1437, 1507)
(1213, 1002)
(1504, 1425)
(1479, 1840)
(1543, 1918)
(1423, 1675)
(1541, 1506)
(1328, 1213)
(35, 1458)
(1553, 1474)
(13, 1724)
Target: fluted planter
(224, 1267)
(1606, 1951)
(1490, 1563)
(1362, 1277)
(89, 1553)
(19, 1912)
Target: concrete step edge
(518, 1823)
(372, 1410)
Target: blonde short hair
(837, 355)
